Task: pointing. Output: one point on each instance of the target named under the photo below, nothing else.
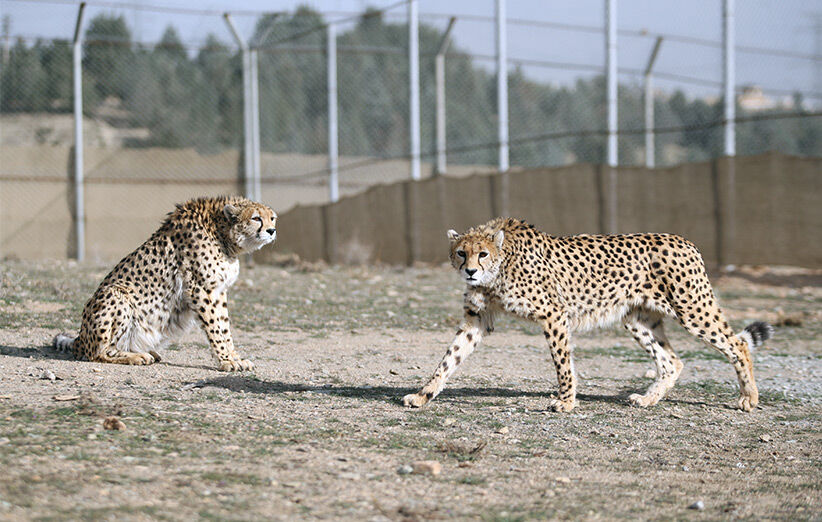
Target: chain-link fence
(170, 100)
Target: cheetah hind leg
(648, 330)
(105, 344)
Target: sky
(788, 26)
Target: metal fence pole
(611, 201)
(728, 80)
(254, 90)
(248, 138)
(611, 78)
(650, 151)
(333, 138)
(414, 85)
(439, 80)
(502, 86)
(79, 203)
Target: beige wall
(757, 209)
(129, 191)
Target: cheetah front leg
(468, 337)
(556, 333)
(212, 311)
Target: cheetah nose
(271, 231)
(470, 271)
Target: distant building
(753, 99)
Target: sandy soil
(317, 430)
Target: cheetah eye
(483, 254)
(257, 218)
(461, 253)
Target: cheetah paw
(142, 359)
(414, 400)
(236, 365)
(642, 401)
(562, 406)
(747, 402)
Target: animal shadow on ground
(391, 394)
(45, 351)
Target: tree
(24, 81)
(108, 55)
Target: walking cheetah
(179, 276)
(581, 282)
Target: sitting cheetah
(586, 281)
(179, 275)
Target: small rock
(686, 468)
(48, 375)
(765, 438)
(563, 480)
(427, 467)
(113, 423)
(698, 505)
(393, 372)
(650, 374)
(405, 470)
(503, 430)
(449, 421)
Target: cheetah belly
(158, 327)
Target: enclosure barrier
(777, 218)
(263, 109)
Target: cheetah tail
(756, 333)
(63, 342)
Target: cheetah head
(476, 256)
(252, 226)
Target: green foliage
(188, 99)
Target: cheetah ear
(453, 235)
(231, 212)
(499, 237)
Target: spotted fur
(573, 283)
(178, 277)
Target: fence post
(414, 85)
(611, 78)
(79, 203)
(650, 151)
(502, 86)
(248, 138)
(255, 125)
(728, 80)
(611, 97)
(725, 252)
(333, 143)
(439, 80)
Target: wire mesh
(163, 98)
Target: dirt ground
(317, 431)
